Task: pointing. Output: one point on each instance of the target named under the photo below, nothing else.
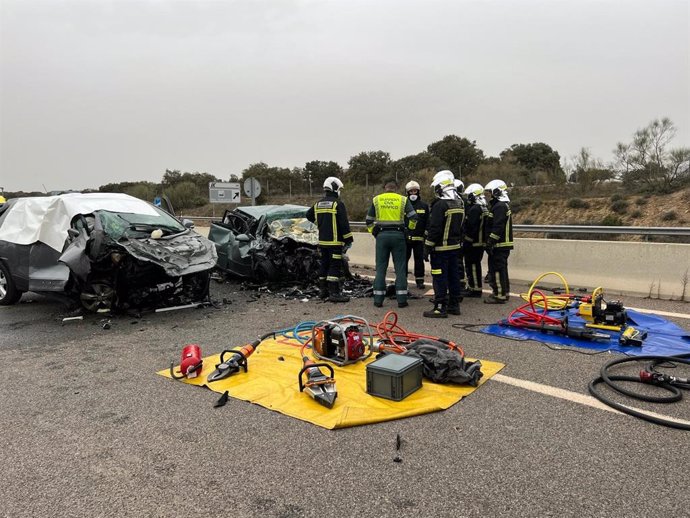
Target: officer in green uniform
(335, 238)
(388, 219)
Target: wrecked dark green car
(267, 243)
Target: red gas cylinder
(190, 365)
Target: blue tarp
(663, 337)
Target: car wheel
(9, 294)
(265, 271)
(97, 296)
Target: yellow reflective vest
(390, 211)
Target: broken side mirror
(243, 238)
(188, 223)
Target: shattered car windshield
(119, 224)
(299, 229)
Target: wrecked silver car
(110, 251)
(267, 243)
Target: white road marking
(574, 397)
(662, 313)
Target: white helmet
(443, 181)
(459, 186)
(411, 186)
(475, 193)
(332, 184)
(498, 190)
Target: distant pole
(290, 189)
(366, 183)
(310, 193)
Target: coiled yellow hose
(553, 302)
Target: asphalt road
(89, 429)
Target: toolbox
(394, 376)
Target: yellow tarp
(272, 383)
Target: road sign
(157, 201)
(252, 188)
(224, 192)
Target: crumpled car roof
(275, 211)
(47, 218)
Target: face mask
(413, 197)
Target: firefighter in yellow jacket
(388, 219)
(335, 238)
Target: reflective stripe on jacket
(422, 210)
(445, 228)
(474, 225)
(330, 216)
(500, 224)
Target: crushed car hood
(47, 218)
(179, 255)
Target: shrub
(669, 216)
(616, 197)
(619, 206)
(517, 205)
(577, 203)
(636, 214)
(612, 221)
(528, 221)
(536, 203)
(641, 201)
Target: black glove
(427, 251)
(347, 246)
(490, 245)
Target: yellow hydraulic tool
(602, 314)
(632, 336)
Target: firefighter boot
(453, 306)
(323, 289)
(335, 295)
(439, 311)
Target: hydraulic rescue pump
(342, 341)
(603, 314)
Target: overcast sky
(93, 92)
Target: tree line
(646, 163)
(527, 164)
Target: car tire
(265, 271)
(9, 294)
(97, 296)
